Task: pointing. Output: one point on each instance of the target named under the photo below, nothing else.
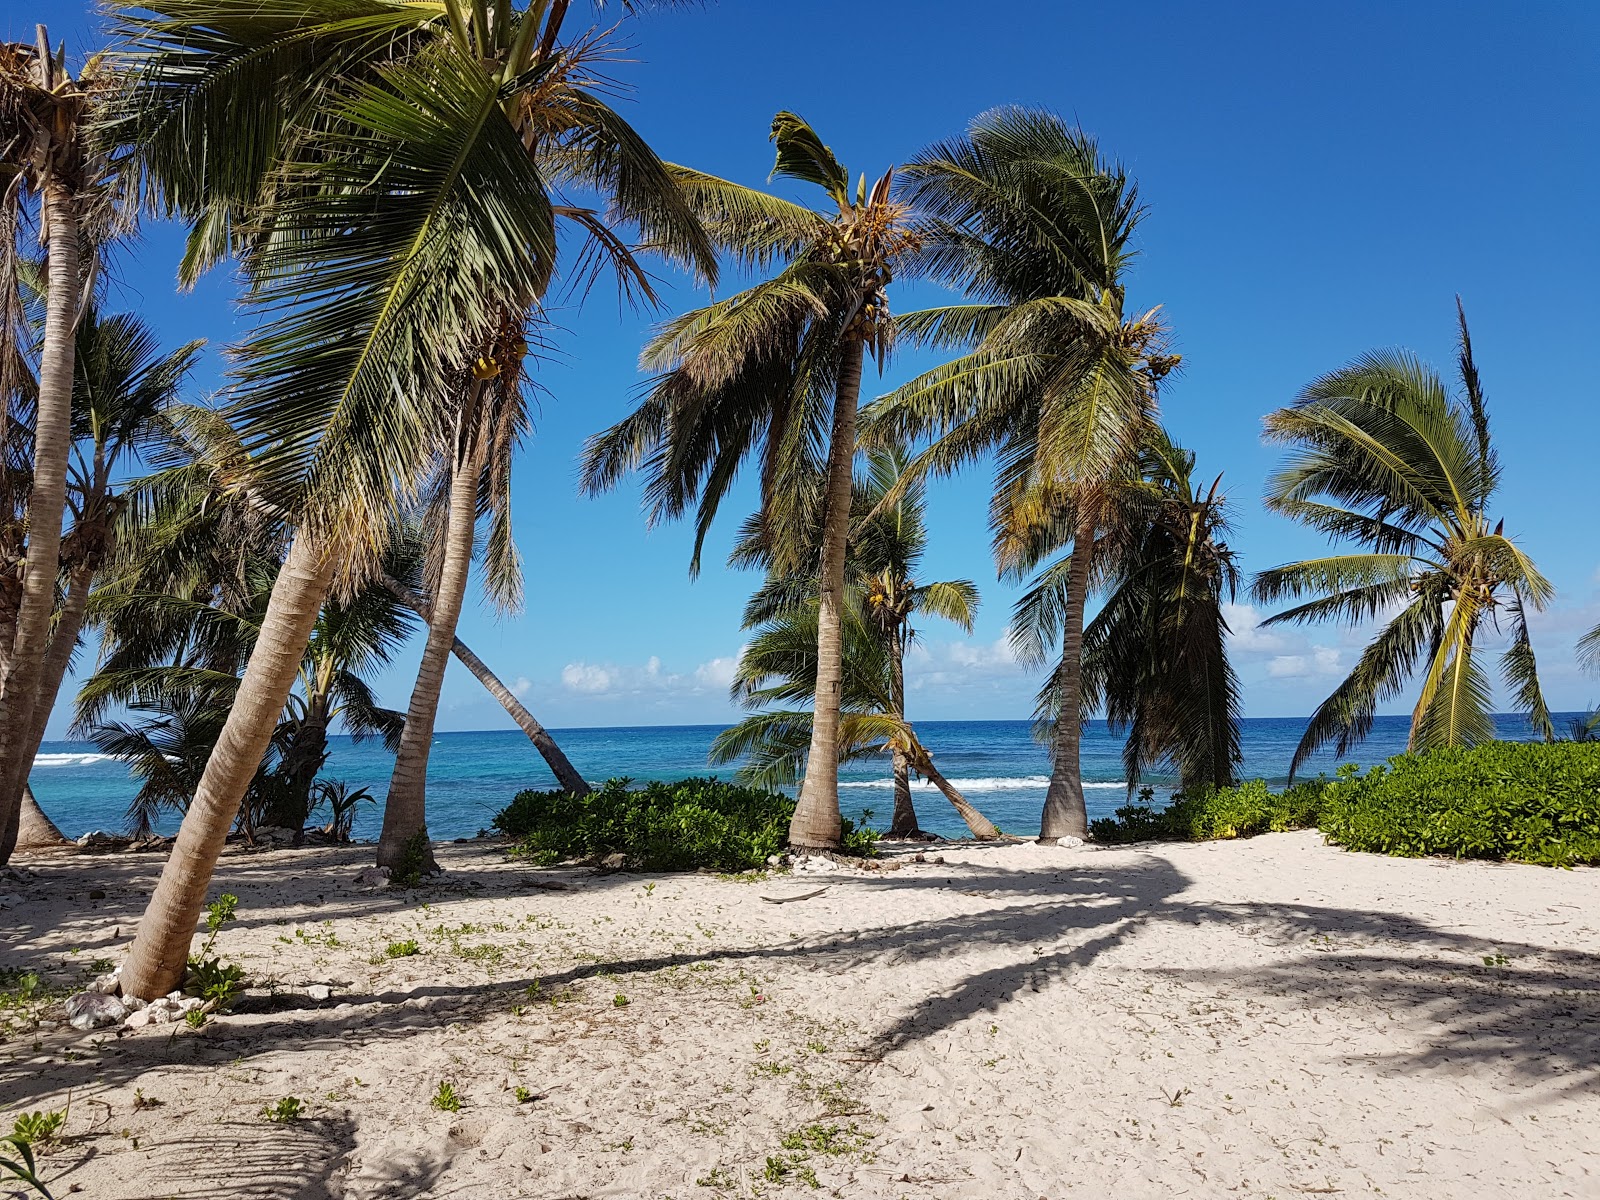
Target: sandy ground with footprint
(1264, 1018)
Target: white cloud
(719, 672)
(587, 678)
(522, 686)
(1320, 661)
(1247, 637)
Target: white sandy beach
(1264, 1018)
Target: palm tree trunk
(35, 831)
(1064, 811)
(405, 812)
(555, 758)
(904, 824)
(816, 813)
(161, 948)
(47, 501)
(981, 827)
(63, 641)
(566, 774)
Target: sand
(1265, 1018)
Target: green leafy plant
(290, 1108)
(1232, 812)
(194, 1018)
(208, 976)
(414, 861)
(38, 1128)
(681, 826)
(446, 1099)
(404, 949)
(1525, 801)
(524, 1096)
(619, 1001)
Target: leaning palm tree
(1155, 656)
(779, 667)
(45, 156)
(391, 176)
(1384, 455)
(1057, 381)
(123, 386)
(774, 373)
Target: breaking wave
(77, 759)
(995, 783)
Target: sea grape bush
(684, 825)
(1525, 801)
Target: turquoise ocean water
(997, 764)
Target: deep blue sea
(997, 764)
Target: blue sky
(1321, 180)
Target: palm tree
(123, 384)
(392, 184)
(774, 373)
(779, 666)
(1155, 656)
(1385, 456)
(1025, 215)
(44, 153)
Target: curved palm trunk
(566, 774)
(816, 813)
(36, 831)
(47, 501)
(555, 758)
(405, 812)
(982, 828)
(161, 948)
(904, 824)
(1064, 812)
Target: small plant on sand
(524, 1096)
(446, 1099)
(405, 949)
(290, 1108)
(38, 1128)
(619, 1001)
(410, 869)
(826, 1139)
(194, 1019)
(22, 1168)
(208, 976)
(718, 1177)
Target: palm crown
(1384, 455)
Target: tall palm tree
(774, 373)
(44, 155)
(1058, 381)
(1384, 455)
(391, 175)
(1155, 656)
(779, 666)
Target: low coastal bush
(1526, 801)
(684, 825)
(1233, 812)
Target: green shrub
(1527, 801)
(681, 826)
(1242, 811)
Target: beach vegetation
(403, 949)
(39, 1128)
(1384, 454)
(681, 826)
(1206, 813)
(1523, 801)
(446, 1098)
(288, 1108)
(23, 1168)
(773, 374)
